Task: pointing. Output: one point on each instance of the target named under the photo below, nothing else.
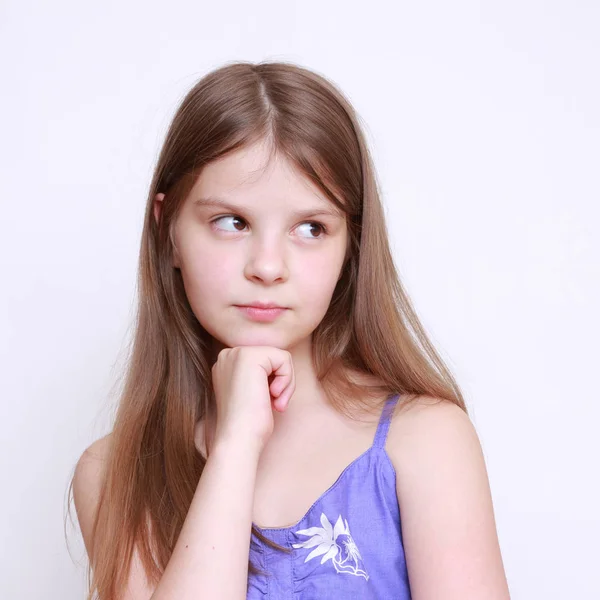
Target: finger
(280, 404)
(278, 366)
(288, 391)
(276, 387)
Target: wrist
(237, 446)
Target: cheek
(316, 282)
(207, 278)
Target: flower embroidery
(335, 543)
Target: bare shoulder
(430, 417)
(431, 430)
(97, 451)
(90, 466)
(447, 517)
(87, 483)
(87, 486)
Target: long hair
(369, 344)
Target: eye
(320, 226)
(234, 217)
(316, 224)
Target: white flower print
(335, 543)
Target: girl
(286, 429)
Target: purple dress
(348, 544)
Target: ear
(157, 209)
(158, 199)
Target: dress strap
(384, 421)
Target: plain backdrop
(484, 123)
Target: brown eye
(233, 217)
(320, 228)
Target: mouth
(257, 313)
(262, 305)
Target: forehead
(254, 177)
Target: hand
(248, 382)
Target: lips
(263, 305)
(264, 315)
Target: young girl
(286, 429)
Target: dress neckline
(377, 444)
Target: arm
(448, 526)
(210, 558)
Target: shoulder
(433, 437)
(431, 431)
(97, 450)
(447, 516)
(87, 483)
(430, 423)
(432, 443)
(91, 463)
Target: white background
(484, 122)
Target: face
(257, 247)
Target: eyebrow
(300, 214)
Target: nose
(266, 261)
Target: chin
(238, 337)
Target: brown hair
(370, 342)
